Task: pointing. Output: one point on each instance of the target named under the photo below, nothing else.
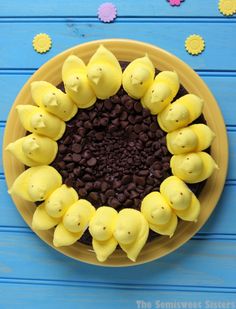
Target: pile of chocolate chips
(113, 153)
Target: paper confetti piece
(227, 7)
(107, 12)
(194, 44)
(175, 2)
(42, 43)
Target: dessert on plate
(115, 156)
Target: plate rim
(121, 260)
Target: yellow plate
(126, 50)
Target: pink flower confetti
(175, 2)
(107, 12)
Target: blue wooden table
(202, 273)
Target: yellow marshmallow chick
(194, 138)
(180, 113)
(77, 86)
(33, 150)
(158, 213)
(161, 92)
(36, 183)
(75, 222)
(193, 167)
(60, 200)
(42, 221)
(104, 73)
(180, 198)
(37, 120)
(138, 76)
(131, 232)
(101, 227)
(53, 100)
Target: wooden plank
(23, 295)
(11, 216)
(206, 263)
(232, 153)
(125, 8)
(10, 85)
(18, 36)
(224, 90)
(222, 87)
(224, 212)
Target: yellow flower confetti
(42, 43)
(194, 44)
(227, 7)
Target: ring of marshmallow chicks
(61, 206)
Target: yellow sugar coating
(101, 227)
(193, 167)
(138, 76)
(161, 92)
(77, 85)
(161, 218)
(227, 7)
(131, 232)
(36, 120)
(60, 200)
(34, 149)
(194, 44)
(36, 183)
(194, 138)
(53, 100)
(42, 43)
(180, 113)
(41, 220)
(104, 73)
(75, 222)
(180, 198)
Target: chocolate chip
(69, 182)
(97, 185)
(88, 177)
(62, 148)
(108, 104)
(94, 196)
(128, 203)
(139, 180)
(138, 107)
(99, 136)
(126, 179)
(114, 203)
(143, 173)
(76, 148)
(104, 186)
(81, 131)
(68, 158)
(104, 122)
(76, 157)
(77, 138)
(88, 124)
(157, 173)
(79, 183)
(153, 127)
(70, 166)
(121, 197)
(137, 128)
(61, 165)
(67, 140)
(82, 192)
(92, 162)
(89, 186)
(129, 104)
